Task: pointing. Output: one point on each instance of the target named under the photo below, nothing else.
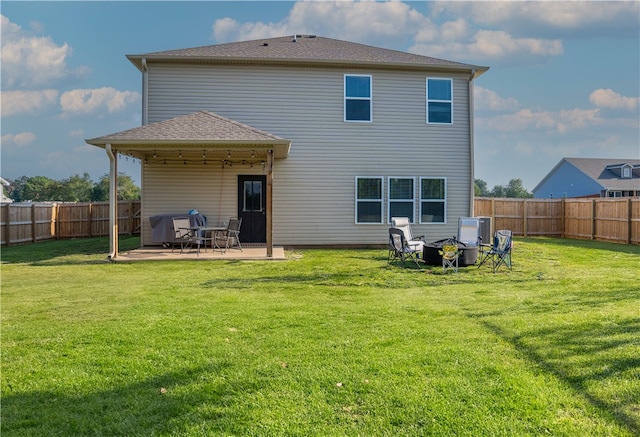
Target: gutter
(145, 90)
(113, 203)
(471, 144)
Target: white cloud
(559, 18)
(30, 61)
(549, 121)
(610, 99)
(96, 101)
(373, 22)
(486, 99)
(20, 139)
(27, 102)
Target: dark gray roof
(302, 49)
(603, 172)
(201, 126)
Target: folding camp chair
(404, 225)
(399, 248)
(230, 237)
(450, 253)
(500, 252)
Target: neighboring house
(590, 177)
(311, 140)
(4, 198)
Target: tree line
(72, 189)
(513, 190)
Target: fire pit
(431, 256)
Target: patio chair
(403, 224)
(182, 234)
(400, 249)
(230, 237)
(500, 251)
(450, 253)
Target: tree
(480, 188)
(514, 189)
(73, 189)
(127, 189)
(35, 188)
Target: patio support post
(113, 201)
(270, 203)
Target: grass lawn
(325, 343)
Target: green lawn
(325, 343)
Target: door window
(252, 196)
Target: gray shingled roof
(202, 129)
(201, 126)
(597, 169)
(305, 48)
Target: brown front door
(252, 202)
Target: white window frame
(380, 200)
(443, 201)
(626, 172)
(369, 99)
(412, 199)
(430, 100)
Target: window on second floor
(439, 101)
(357, 97)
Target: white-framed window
(433, 200)
(357, 97)
(368, 199)
(401, 198)
(626, 172)
(439, 100)
(614, 194)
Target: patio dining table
(201, 236)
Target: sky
(564, 78)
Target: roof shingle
(302, 48)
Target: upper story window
(626, 172)
(357, 97)
(439, 101)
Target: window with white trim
(401, 198)
(368, 199)
(439, 101)
(357, 97)
(433, 200)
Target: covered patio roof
(192, 134)
(200, 137)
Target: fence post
(629, 215)
(563, 216)
(90, 218)
(56, 208)
(7, 224)
(33, 223)
(131, 216)
(524, 218)
(593, 219)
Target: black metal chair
(400, 249)
(182, 234)
(230, 237)
(500, 251)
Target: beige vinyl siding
(314, 188)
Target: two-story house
(312, 141)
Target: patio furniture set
(465, 249)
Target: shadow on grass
(581, 356)
(165, 404)
(65, 252)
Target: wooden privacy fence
(25, 223)
(616, 220)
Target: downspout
(471, 146)
(145, 88)
(113, 202)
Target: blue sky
(564, 78)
